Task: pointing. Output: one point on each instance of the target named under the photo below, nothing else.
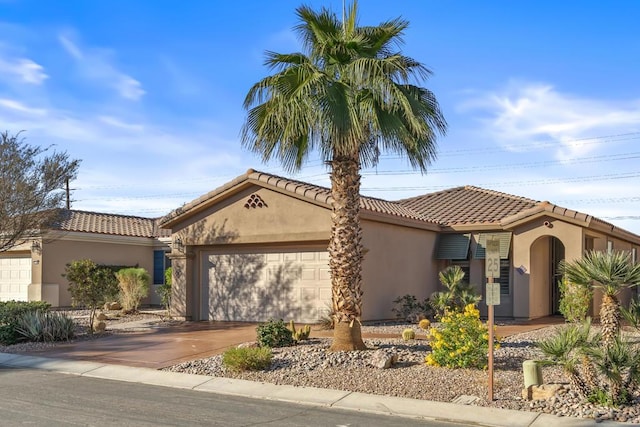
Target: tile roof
(104, 223)
(468, 205)
(305, 190)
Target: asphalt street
(43, 398)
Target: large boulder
(542, 392)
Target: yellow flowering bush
(460, 341)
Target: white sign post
(492, 295)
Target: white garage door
(15, 277)
(261, 285)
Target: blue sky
(542, 97)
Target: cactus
(424, 324)
(300, 334)
(408, 334)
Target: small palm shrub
(575, 301)
(247, 359)
(134, 285)
(408, 334)
(460, 341)
(458, 295)
(408, 308)
(45, 326)
(274, 333)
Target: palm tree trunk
(609, 319)
(345, 254)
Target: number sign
(492, 259)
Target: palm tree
(350, 96)
(610, 272)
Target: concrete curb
(352, 401)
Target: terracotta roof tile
(314, 193)
(103, 223)
(468, 205)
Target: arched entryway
(546, 254)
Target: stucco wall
(531, 290)
(399, 261)
(281, 219)
(55, 255)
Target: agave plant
(45, 326)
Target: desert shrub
(460, 341)
(408, 334)
(91, 285)
(274, 333)
(164, 290)
(247, 359)
(575, 301)
(134, 285)
(424, 324)
(407, 307)
(11, 312)
(46, 326)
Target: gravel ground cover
(311, 364)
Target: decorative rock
(541, 392)
(382, 359)
(99, 326)
(113, 306)
(249, 344)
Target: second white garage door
(15, 277)
(260, 285)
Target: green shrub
(575, 301)
(11, 312)
(408, 308)
(47, 326)
(274, 333)
(247, 359)
(134, 285)
(461, 340)
(164, 291)
(91, 285)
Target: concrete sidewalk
(440, 411)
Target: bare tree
(32, 182)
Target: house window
(589, 244)
(160, 263)
(505, 270)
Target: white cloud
(526, 113)
(24, 70)
(19, 107)
(98, 65)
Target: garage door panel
(15, 277)
(286, 285)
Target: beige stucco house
(255, 248)
(33, 271)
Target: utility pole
(68, 191)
